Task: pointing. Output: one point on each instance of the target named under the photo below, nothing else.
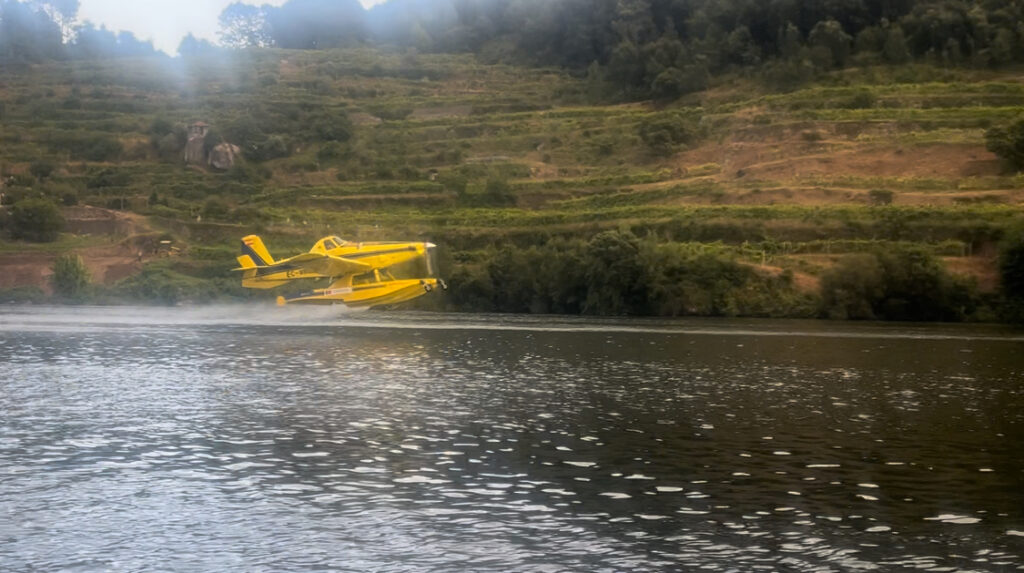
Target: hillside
(478, 158)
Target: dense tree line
(38, 30)
(617, 273)
(644, 48)
(655, 47)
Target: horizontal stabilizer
(245, 262)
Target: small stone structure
(194, 152)
(222, 156)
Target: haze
(165, 22)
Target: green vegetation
(1011, 271)
(615, 273)
(37, 220)
(1008, 142)
(812, 162)
(70, 277)
(906, 285)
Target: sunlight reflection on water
(244, 438)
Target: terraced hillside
(480, 158)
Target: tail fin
(254, 253)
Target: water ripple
(190, 444)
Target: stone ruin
(223, 156)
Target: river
(264, 439)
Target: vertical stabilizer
(252, 247)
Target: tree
(829, 35)
(1011, 268)
(871, 40)
(98, 43)
(317, 24)
(190, 46)
(790, 41)
(244, 26)
(614, 275)
(1004, 46)
(853, 288)
(37, 220)
(70, 276)
(63, 13)
(895, 49)
(626, 66)
(28, 33)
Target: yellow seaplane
(359, 273)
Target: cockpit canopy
(328, 243)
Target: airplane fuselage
(358, 271)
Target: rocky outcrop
(224, 155)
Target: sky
(164, 22)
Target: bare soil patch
(983, 269)
(786, 159)
(106, 263)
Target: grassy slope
(778, 179)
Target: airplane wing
(327, 265)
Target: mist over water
(256, 437)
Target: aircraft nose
(430, 245)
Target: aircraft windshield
(341, 242)
(330, 244)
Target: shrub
(273, 147)
(332, 127)
(331, 151)
(87, 146)
(863, 99)
(1008, 143)
(108, 177)
(391, 113)
(880, 197)
(20, 180)
(42, 169)
(70, 276)
(663, 133)
(788, 74)
(243, 173)
(37, 220)
(169, 145)
(161, 126)
(497, 192)
(215, 208)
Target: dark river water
(263, 439)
